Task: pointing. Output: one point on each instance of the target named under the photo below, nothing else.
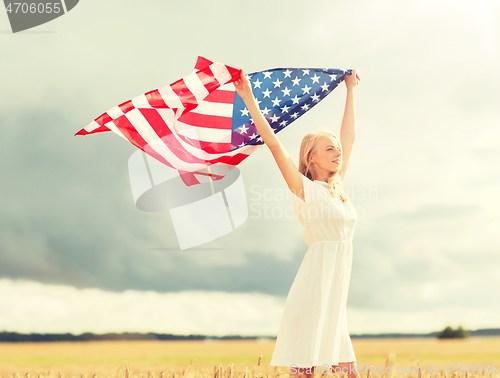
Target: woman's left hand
(352, 80)
(243, 87)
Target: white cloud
(28, 306)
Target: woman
(313, 330)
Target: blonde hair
(305, 166)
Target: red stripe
(208, 80)
(207, 121)
(232, 160)
(155, 99)
(202, 63)
(128, 130)
(182, 91)
(156, 122)
(103, 119)
(234, 72)
(188, 178)
(224, 97)
(126, 106)
(100, 129)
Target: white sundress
(313, 329)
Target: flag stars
(257, 83)
(280, 102)
(243, 129)
(306, 89)
(241, 145)
(286, 91)
(274, 118)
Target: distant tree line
(11, 337)
(46, 337)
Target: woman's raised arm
(287, 167)
(348, 127)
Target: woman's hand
(244, 87)
(353, 79)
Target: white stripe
(196, 87)
(115, 112)
(220, 72)
(229, 87)
(141, 102)
(167, 115)
(170, 97)
(91, 126)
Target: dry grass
(233, 359)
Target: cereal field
(232, 359)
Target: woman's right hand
(353, 79)
(243, 87)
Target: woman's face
(327, 155)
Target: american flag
(200, 126)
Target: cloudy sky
(424, 173)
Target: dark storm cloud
(67, 217)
